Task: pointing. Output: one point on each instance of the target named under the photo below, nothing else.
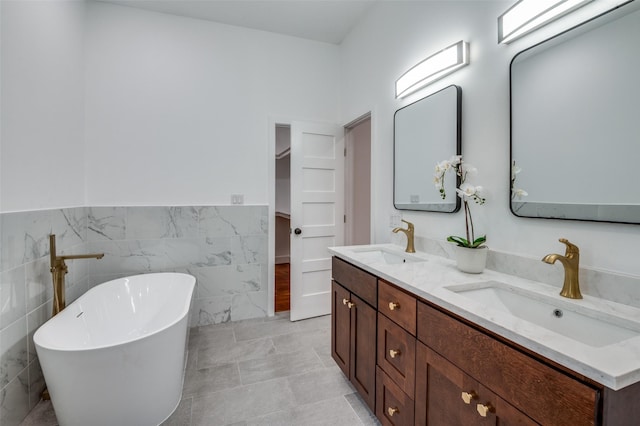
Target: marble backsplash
(603, 284)
(224, 247)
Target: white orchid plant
(466, 192)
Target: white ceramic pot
(471, 260)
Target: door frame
(348, 176)
(271, 194)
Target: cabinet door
(445, 395)
(363, 350)
(340, 326)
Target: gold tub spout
(571, 263)
(59, 269)
(409, 233)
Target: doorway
(358, 181)
(283, 218)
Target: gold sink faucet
(59, 270)
(570, 261)
(409, 232)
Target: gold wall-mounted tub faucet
(571, 263)
(409, 233)
(59, 269)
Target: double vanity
(426, 344)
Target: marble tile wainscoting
(224, 247)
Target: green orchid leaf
(462, 242)
(479, 241)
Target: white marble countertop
(614, 365)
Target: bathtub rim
(190, 280)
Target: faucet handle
(571, 248)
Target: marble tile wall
(26, 294)
(225, 248)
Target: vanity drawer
(397, 354)
(355, 280)
(541, 392)
(393, 407)
(397, 305)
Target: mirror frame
(458, 148)
(580, 29)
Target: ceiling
(326, 21)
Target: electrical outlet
(237, 199)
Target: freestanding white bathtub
(116, 355)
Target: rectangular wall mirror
(425, 133)
(575, 130)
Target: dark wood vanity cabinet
(353, 327)
(528, 387)
(434, 368)
(445, 395)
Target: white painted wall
(42, 162)
(178, 108)
(395, 36)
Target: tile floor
(267, 371)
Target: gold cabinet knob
(394, 305)
(467, 397)
(392, 411)
(394, 353)
(345, 301)
(484, 409)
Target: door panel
(317, 206)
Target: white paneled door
(317, 214)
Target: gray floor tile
(214, 338)
(317, 323)
(332, 412)
(242, 403)
(279, 418)
(278, 365)
(182, 415)
(240, 351)
(324, 353)
(250, 330)
(293, 342)
(208, 380)
(266, 371)
(319, 385)
(362, 410)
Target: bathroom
(100, 101)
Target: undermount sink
(383, 255)
(589, 326)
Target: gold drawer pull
(394, 353)
(392, 411)
(349, 303)
(394, 305)
(484, 409)
(467, 397)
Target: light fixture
(433, 68)
(528, 15)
